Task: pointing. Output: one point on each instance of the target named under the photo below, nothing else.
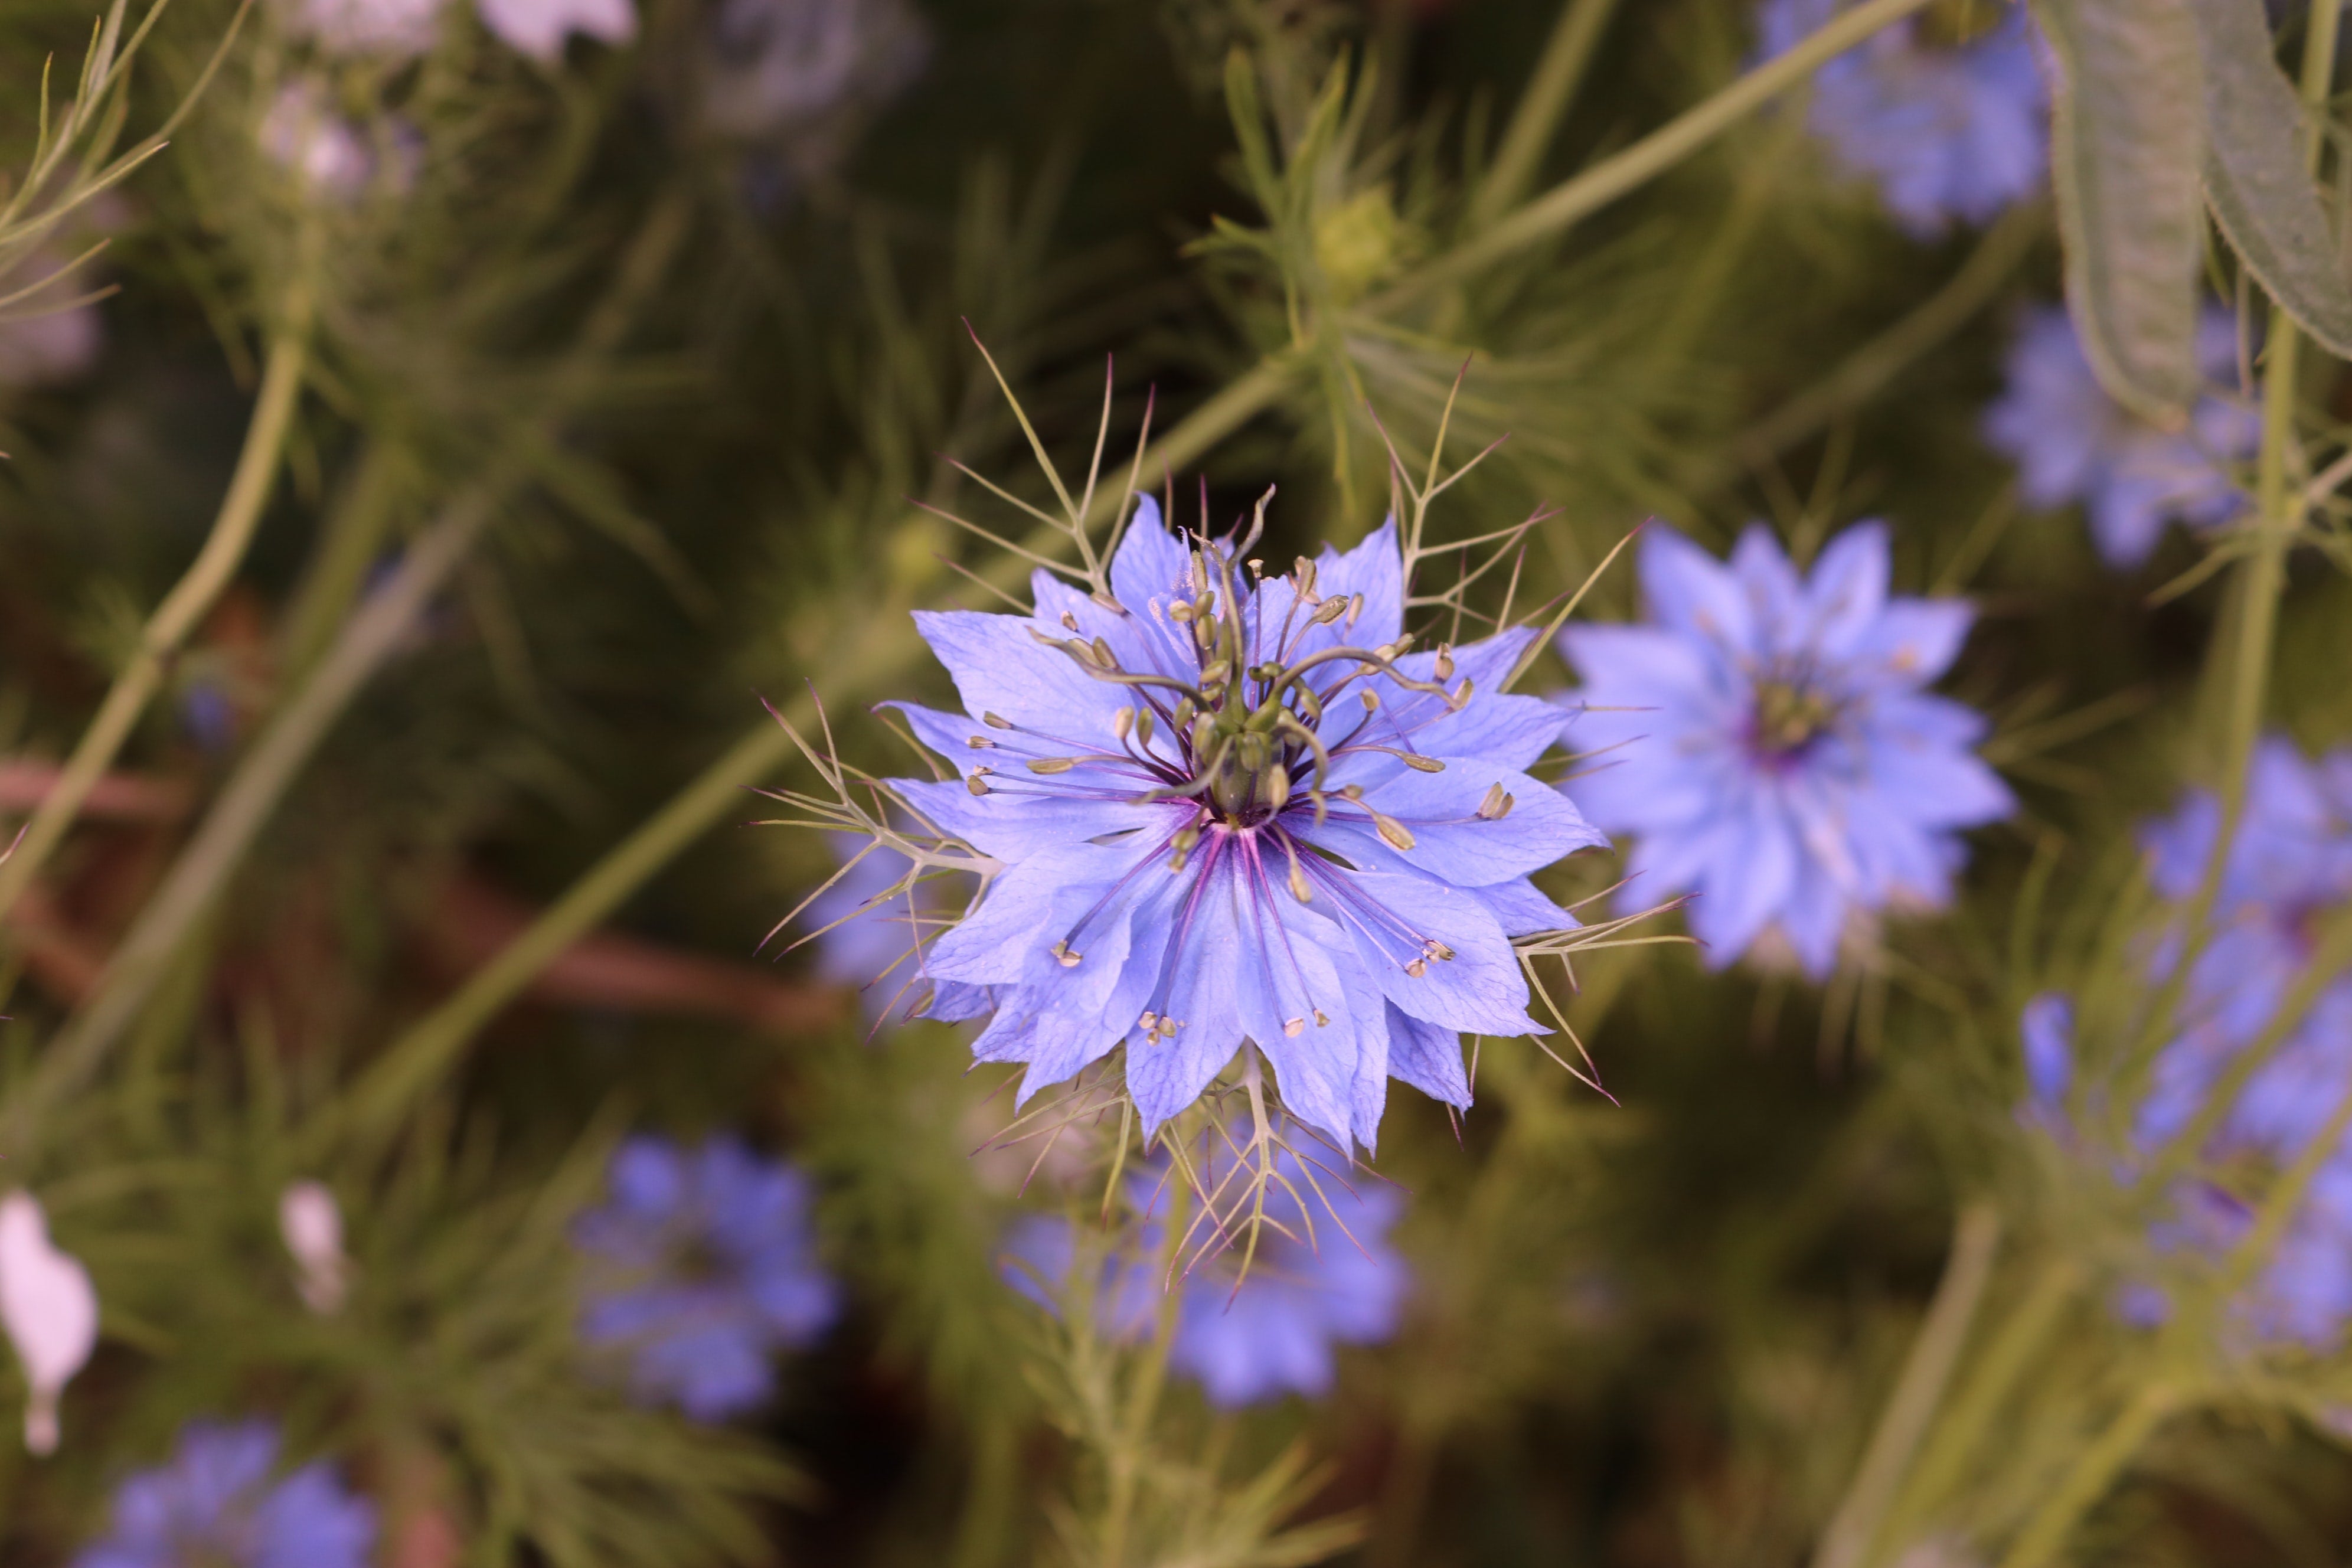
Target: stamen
(1496, 806)
(1069, 621)
(1294, 1027)
(1417, 968)
(1445, 661)
(975, 784)
(1355, 609)
(1394, 834)
(1069, 959)
(1051, 765)
(1122, 723)
(983, 744)
(996, 723)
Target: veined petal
(1428, 1056)
(1451, 841)
(1394, 921)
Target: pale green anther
(1143, 726)
(1394, 834)
(1051, 765)
(1122, 723)
(1422, 764)
(996, 723)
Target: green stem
(269, 768)
(1970, 1416)
(1559, 72)
(2092, 1473)
(184, 607)
(1916, 1392)
(354, 536)
(885, 650)
(229, 829)
(1614, 176)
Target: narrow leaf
(2255, 177)
(2126, 142)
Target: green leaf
(2255, 173)
(2125, 145)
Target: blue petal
(1428, 1056)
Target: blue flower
(220, 1501)
(873, 931)
(1947, 130)
(2289, 861)
(699, 1268)
(2071, 442)
(1324, 1275)
(1221, 810)
(1770, 739)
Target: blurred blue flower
(219, 1501)
(1229, 810)
(1770, 741)
(1324, 1275)
(868, 938)
(702, 1266)
(2289, 862)
(1947, 131)
(2071, 442)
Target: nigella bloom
(791, 68)
(2289, 862)
(702, 1266)
(220, 1500)
(1324, 1275)
(396, 29)
(1947, 113)
(2071, 442)
(1223, 807)
(1771, 741)
(2303, 1294)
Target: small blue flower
(1222, 809)
(1947, 130)
(1324, 1275)
(873, 933)
(219, 1501)
(2071, 442)
(702, 1266)
(2290, 861)
(1771, 741)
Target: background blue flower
(1947, 131)
(1340, 888)
(219, 1503)
(702, 1266)
(2290, 861)
(1324, 1275)
(2071, 442)
(869, 939)
(1769, 741)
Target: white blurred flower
(537, 27)
(332, 155)
(802, 67)
(49, 1310)
(312, 1226)
(396, 28)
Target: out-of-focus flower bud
(49, 1310)
(312, 1226)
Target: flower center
(1957, 24)
(697, 1261)
(1789, 715)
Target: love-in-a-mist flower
(1324, 1275)
(310, 1223)
(220, 1502)
(873, 931)
(1770, 741)
(1945, 112)
(791, 67)
(2073, 443)
(2304, 1292)
(50, 1310)
(700, 1268)
(398, 29)
(1225, 809)
(330, 155)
